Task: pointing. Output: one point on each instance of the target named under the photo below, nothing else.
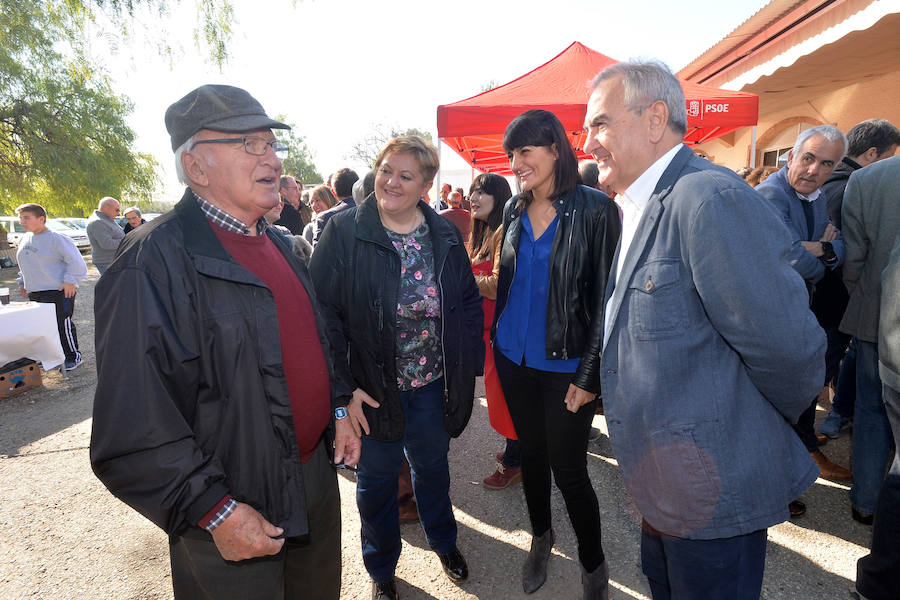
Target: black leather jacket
(192, 403)
(356, 273)
(582, 254)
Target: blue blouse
(522, 328)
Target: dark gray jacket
(889, 327)
(193, 403)
(871, 219)
(356, 272)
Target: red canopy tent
(474, 127)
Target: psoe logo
(718, 108)
(693, 109)
(17, 377)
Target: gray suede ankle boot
(534, 571)
(596, 584)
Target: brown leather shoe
(821, 439)
(829, 469)
(503, 477)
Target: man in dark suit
(294, 214)
(342, 186)
(869, 142)
(878, 574)
(871, 218)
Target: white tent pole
(753, 147)
(436, 201)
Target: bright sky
(335, 68)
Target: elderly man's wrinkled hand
(246, 534)
(347, 445)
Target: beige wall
(844, 107)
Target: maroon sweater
(301, 351)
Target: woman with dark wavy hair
(559, 239)
(488, 195)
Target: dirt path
(62, 535)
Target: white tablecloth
(28, 330)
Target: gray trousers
(306, 569)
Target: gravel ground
(62, 535)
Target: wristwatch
(340, 413)
(828, 255)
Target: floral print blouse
(419, 354)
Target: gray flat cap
(218, 107)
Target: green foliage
(63, 137)
(299, 162)
(64, 140)
(366, 150)
(486, 87)
(215, 18)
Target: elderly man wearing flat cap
(214, 418)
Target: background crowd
(647, 275)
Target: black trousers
(305, 569)
(553, 439)
(878, 573)
(65, 308)
(806, 427)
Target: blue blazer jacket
(712, 351)
(789, 207)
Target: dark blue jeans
(878, 574)
(871, 441)
(721, 569)
(425, 443)
(835, 352)
(845, 391)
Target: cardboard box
(19, 376)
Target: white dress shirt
(632, 204)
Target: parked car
(16, 231)
(76, 222)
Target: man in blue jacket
(709, 347)
(816, 245)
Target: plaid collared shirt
(222, 514)
(226, 221)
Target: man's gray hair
(829, 132)
(106, 201)
(179, 167)
(645, 82)
(132, 209)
